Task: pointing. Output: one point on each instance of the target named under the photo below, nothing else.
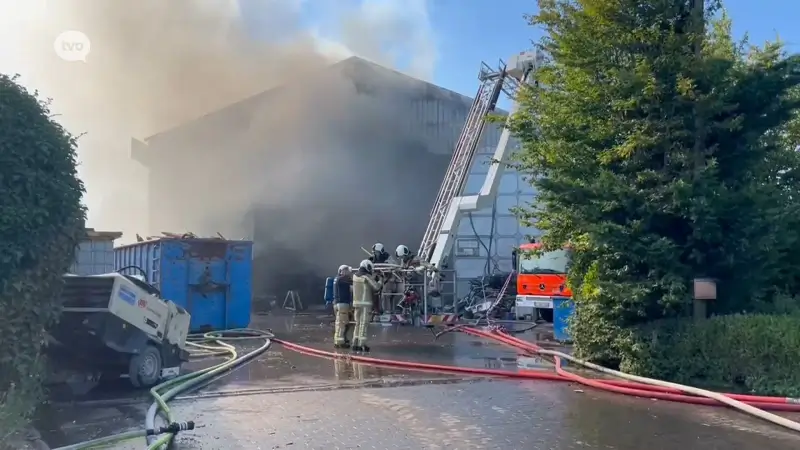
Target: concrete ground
(288, 400)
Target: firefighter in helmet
(379, 254)
(366, 283)
(342, 303)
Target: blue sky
(466, 32)
(484, 31)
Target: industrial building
(316, 169)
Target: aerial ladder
(450, 205)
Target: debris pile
(186, 235)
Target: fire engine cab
(541, 281)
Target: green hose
(185, 383)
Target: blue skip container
(210, 278)
(563, 308)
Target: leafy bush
(754, 353)
(41, 223)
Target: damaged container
(211, 278)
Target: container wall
(94, 257)
(210, 278)
(129, 259)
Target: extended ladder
(451, 204)
(463, 155)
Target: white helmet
(344, 268)
(366, 265)
(402, 251)
(377, 247)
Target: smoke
(155, 64)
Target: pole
(698, 31)
(425, 299)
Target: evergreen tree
(654, 148)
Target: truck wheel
(145, 368)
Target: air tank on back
(329, 290)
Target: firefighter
(403, 255)
(342, 301)
(379, 254)
(365, 285)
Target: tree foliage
(658, 151)
(41, 223)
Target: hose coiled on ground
(206, 345)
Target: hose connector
(173, 428)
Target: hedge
(41, 223)
(754, 353)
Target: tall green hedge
(754, 353)
(41, 223)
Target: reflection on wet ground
(283, 368)
(313, 402)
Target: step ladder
(463, 155)
(292, 302)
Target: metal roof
(366, 76)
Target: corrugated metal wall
(404, 175)
(441, 123)
(403, 161)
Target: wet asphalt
(288, 400)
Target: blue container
(210, 278)
(563, 308)
(329, 290)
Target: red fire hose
(621, 387)
(628, 387)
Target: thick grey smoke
(155, 64)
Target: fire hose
(213, 344)
(652, 388)
(633, 385)
(503, 337)
(209, 344)
(767, 403)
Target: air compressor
(116, 325)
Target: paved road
(286, 400)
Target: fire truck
(541, 281)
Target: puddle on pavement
(279, 367)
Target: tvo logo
(72, 46)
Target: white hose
(760, 413)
